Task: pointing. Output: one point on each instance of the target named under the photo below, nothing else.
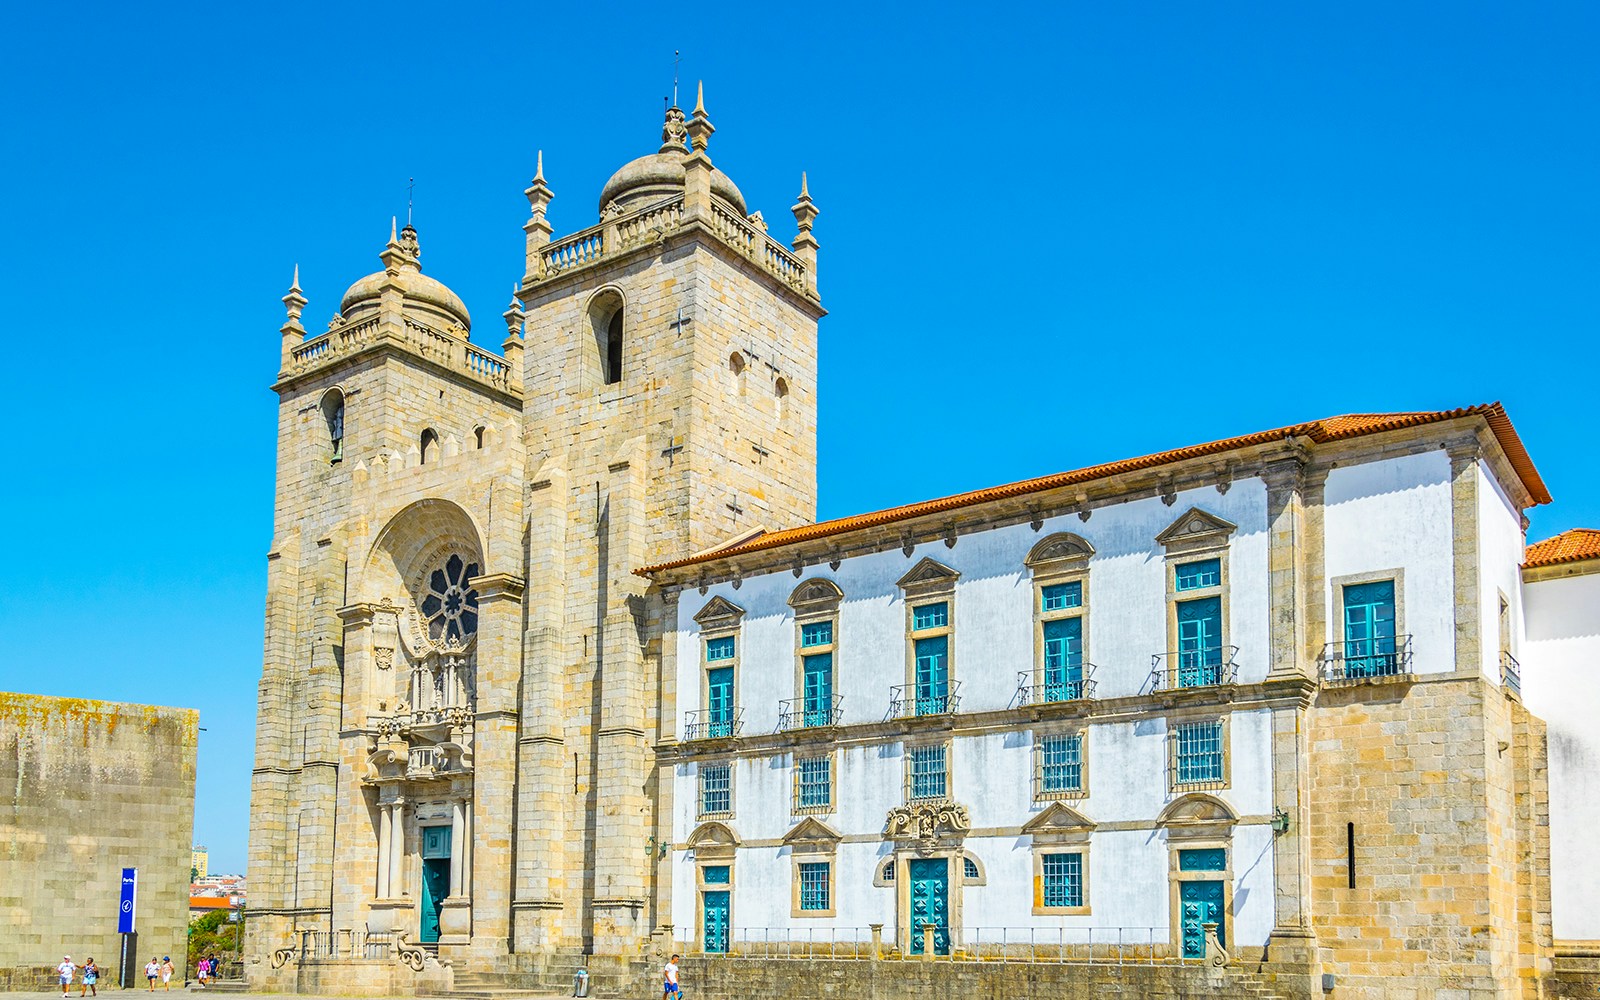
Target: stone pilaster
(494, 754)
(1286, 534)
(543, 769)
(1464, 536)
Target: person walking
(669, 973)
(166, 972)
(91, 976)
(152, 969)
(65, 971)
(200, 969)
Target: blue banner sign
(130, 892)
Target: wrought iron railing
(1029, 693)
(1188, 668)
(713, 725)
(1510, 673)
(806, 713)
(1362, 658)
(910, 700)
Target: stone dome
(435, 304)
(660, 176)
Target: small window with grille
(716, 790)
(1199, 754)
(929, 775)
(813, 784)
(814, 885)
(1062, 881)
(1060, 765)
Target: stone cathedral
(461, 690)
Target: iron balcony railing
(1389, 656)
(910, 700)
(1029, 693)
(1510, 673)
(712, 725)
(1188, 668)
(808, 713)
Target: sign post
(127, 910)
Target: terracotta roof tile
(1328, 429)
(1569, 546)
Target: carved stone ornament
(337, 321)
(408, 241)
(612, 210)
(926, 821)
(674, 131)
(757, 220)
(383, 657)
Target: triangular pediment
(1197, 809)
(929, 573)
(1194, 525)
(1062, 547)
(816, 593)
(1058, 818)
(719, 612)
(812, 831)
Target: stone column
(466, 847)
(1464, 533)
(1286, 544)
(385, 836)
(458, 844)
(397, 849)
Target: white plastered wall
(1500, 547)
(1561, 684)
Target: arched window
(605, 320)
(333, 414)
(736, 370)
(430, 446)
(780, 392)
(613, 372)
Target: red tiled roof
(210, 903)
(1569, 546)
(1319, 431)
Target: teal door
(719, 701)
(930, 903)
(1201, 903)
(1063, 659)
(1199, 642)
(435, 878)
(819, 689)
(1369, 639)
(714, 920)
(933, 675)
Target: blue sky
(1090, 230)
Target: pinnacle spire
(394, 235)
(700, 97)
(804, 193)
(538, 171)
(294, 286)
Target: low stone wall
(351, 977)
(707, 978)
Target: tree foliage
(212, 936)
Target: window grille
(814, 885)
(1063, 880)
(888, 871)
(816, 634)
(969, 869)
(1061, 763)
(716, 789)
(816, 782)
(928, 779)
(1199, 752)
(720, 648)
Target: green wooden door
(719, 701)
(714, 920)
(930, 903)
(1063, 659)
(1369, 639)
(1201, 903)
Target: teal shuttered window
(1370, 648)
(1063, 880)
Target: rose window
(450, 607)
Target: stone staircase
(608, 978)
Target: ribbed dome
(657, 177)
(422, 294)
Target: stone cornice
(386, 345)
(1287, 692)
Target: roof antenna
(410, 190)
(674, 77)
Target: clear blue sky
(1052, 218)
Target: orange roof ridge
(1573, 545)
(1320, 431)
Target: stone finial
(537, 227)
(805, 245)
(538, 192)
(293, 333)
(514, 316)
(673, 131)
(402, 249)
(700, 127)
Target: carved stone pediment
(1059, 823)
(1197, 815)
(816, 595)
(713, 841)
(812, 833)
(928, 821)
(1059, 551)
(719, 612)
(1196, 527)
(929, 575)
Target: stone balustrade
(451, 349)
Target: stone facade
(92, 787)
(460, 695)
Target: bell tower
(669, 385)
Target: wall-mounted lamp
(654, 848)
(1280, 821)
